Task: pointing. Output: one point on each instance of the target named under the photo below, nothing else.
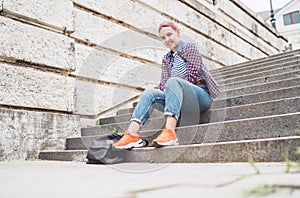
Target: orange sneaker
(166, 138)
(128, 141)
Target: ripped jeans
(180, 97)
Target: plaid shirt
(194, 67)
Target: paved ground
(72, 179)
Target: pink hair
(167, 24)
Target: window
(291, 18)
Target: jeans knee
(151, 94)
(148, 92)
(173, 81)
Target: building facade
(288, 23)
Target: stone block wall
(65, 63)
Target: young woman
(183, 77)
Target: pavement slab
(141, 180)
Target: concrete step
(77, 156)
(260, 60)
(259, 88)
(260, 150)
(254, 63)
(248, 75)
(244, 129)
(274, 107)
(264, 79)
(280, 93)
(125, 111)
(254, 67)
(282, 106)
(291, 68)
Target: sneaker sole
(131, 145)
(162, 144)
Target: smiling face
(170, 38)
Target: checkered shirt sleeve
(166, 71)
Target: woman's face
(170, 38)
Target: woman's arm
(165, 73)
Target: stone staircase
(257, 116)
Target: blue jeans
(180, 97)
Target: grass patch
(288, 163)
(298, 151)
(292, 165)
(251, 162)
(261, 190)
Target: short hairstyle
(167, 24)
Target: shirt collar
(179, 50)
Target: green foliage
(266, 189)
(298, 151)
(287, 163)
(251, 161)
(286, 48)
(98, 122)
(115, 130)
(290, 165)
(261, 190)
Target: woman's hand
(156, 87)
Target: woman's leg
(149, 100)
(134, 127)
(181, 95)
(170, 122)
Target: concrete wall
(65, 63)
